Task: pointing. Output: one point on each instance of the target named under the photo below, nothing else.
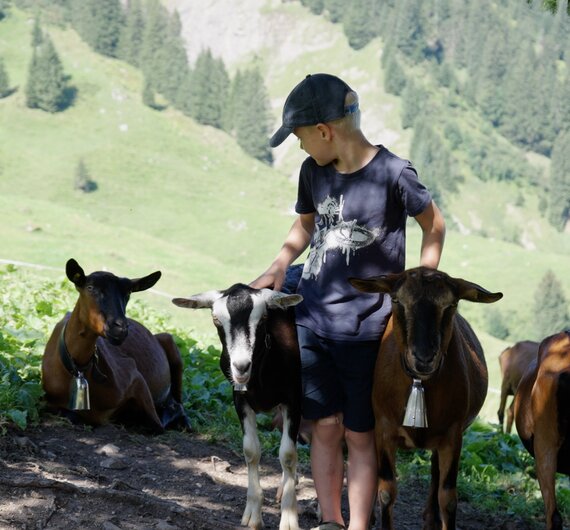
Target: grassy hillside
(172, 195)
(185, 199)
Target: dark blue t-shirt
(360, 231)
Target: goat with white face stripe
(260, 357)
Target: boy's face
(315, 141)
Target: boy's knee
(329, 430)
(335, 419)
(359, 439)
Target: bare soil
(63, 476)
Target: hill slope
(185, 199)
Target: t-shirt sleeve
(305, 202)
(414, 195)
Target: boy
(353, 200)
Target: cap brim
(279, 137)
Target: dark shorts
(337, 377)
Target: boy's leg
(356, 364)
(327, 466)
(322, 401)
(362, 477)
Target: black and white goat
(260, 357)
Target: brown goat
(513, 361)
(131, 375)
(427, 340)
(542, 416)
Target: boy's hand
(272, 278)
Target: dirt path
(59, 476)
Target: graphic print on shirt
(332, 232)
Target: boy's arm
(295, 243)
(433, 235)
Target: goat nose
(424, 355)
(242, 367)
(117, 330)
(119, 324)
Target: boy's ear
(324, 130)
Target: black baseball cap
(319, 98)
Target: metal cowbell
(416, 413)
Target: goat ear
(146, 282)
(75, 273)
(277, 300)
(474, 293)
(198, 301)
(376, 284)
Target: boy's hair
(351, 120)
(319, 98)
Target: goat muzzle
(116, 334)
(421, 369)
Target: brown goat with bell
(100, 366)
(430, 364)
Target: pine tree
(107, 23)
(131, 38)
(561, 105)
(148, 94)
(519, 100)
(490, 80)
(360, 22)
(82, 180)
(233, 107)
(424, 152)
(46, 80)
(209, 90)
(413, 101)
(155, 34)
(554, 5)
(550, 306)
(477, 27)
(184, 96)
(82, 17)
(394, 76)
(335, 10)
(172, 61)
(496, 325)
(31, 85)
(4, 80)
(559, 195)
(409, 33)
(252, 115)
(316, 6)
(4, 5)
(37, 35)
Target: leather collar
(70, 364)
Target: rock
(109, 450)
(108, 525)
(114, 463)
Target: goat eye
(395, 300)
